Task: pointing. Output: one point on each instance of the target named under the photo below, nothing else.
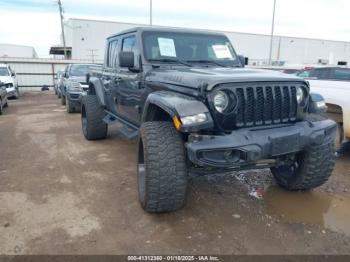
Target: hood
(79, 79)
(196, 77)
(6, 79)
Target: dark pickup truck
(187, 98)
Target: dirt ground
(61, 194)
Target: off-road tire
(311, 168)
(162, 170)
(69, 107)
(92, 115)
(339, 143)
(63, 100)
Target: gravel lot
(61, 194)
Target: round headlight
(300, 95)
(220, 101)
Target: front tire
(162, 170)
(69, 107)
(92, 114)
(311, 168)
(63, 100)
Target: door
(109, 77)
(130, 89)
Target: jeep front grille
(260, 104)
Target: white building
(11, 50)
(87, 40)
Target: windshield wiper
(206, 62)
(170, 60)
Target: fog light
(195, 119)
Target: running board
(127, 130)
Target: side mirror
(13, 74)
(243, 60)
(126, 59)
(65, 75)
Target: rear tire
(92, 115)
(162, 170)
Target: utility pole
(92, 54)
(62, 28)
(272, 31)
(150, 12)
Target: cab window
(112, 53)
(129, 43)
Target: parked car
(193, 108)
(74, 83)
(3, 97)
(58, 82)
(291, 71)
(9, 78)
(333, 83)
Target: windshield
(79, 70)
(189, 47)
(4, 71)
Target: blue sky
(36, 22)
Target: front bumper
(11, 91)
(247, 146)
(74, 97)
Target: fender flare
(179, 105)
(96, 88)
(314, 99)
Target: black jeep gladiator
(187, 98)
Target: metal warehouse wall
(87, 38)
(12, 50)
(33, 74)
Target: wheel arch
(156, 113)
(96, 88)
(165, 105)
